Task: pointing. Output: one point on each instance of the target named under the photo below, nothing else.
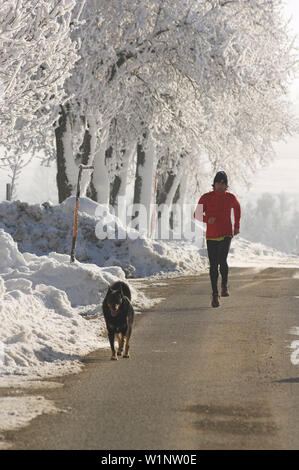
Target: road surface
(198, 378)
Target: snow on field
(246, 253)
(50, 309)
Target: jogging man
(216, 206)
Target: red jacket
(219, 205)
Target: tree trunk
(63, 184)
(100, 178)
(164, 187)
(138, 178)
(85, 148)
(144, 180)
(114, 185)
(119, 186)
(176, 197)
(114, 190)
(85, 157)
(67, 170)
(124, 174)
(168, 194)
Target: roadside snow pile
(45, 228)
(43, 301)
(245, 253)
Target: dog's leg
(127, 344)
(120, 339)
(113, 350)
(126, 351)
(127, 337)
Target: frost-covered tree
(36, 57)
(126, 64)
(14, 165)
(181, 80)
(83, 128)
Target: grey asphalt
(198, 377)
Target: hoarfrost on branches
(36, 57)
(185, 82)
(201, 77)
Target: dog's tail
(123, 287)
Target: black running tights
(217, 252)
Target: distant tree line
(273, 219)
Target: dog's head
(114, 300)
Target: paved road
(198, 378)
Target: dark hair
(220, 176)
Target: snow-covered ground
(50, 309)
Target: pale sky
(283, 173)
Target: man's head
(220, 181)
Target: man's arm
(237, 215)
(200, 210)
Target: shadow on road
(292, 380)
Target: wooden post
(76, 210)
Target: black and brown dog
(119, 316)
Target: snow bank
(246, 253)
(51, 316)
(16, 413)
(45, 300)
(44, 303)
(44, 228)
